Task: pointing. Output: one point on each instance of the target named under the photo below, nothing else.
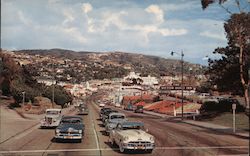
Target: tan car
(132, 136)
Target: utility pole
(182, 85)
(53, 86)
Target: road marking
(96, 139)
(95, 133)
(108, 149)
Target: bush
(61, 97)
(224, 105)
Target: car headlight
(57, 131)
(111, 126)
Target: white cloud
(86, 7)
(68, 16)
(212, 35)
(24, 19)
(155, 9)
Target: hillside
(100, 65)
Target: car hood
(136, 135)
(52, 116)
(67, 127)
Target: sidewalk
(206, 125)
(12, 123)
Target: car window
(71, 121)
(117, 117)
(131, 127)
(52, 112)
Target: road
(172, 138)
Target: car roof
(73, 116)
(132, 124)
(106, 108)
(116, 113)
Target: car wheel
(150, 150)
(113, 142)
(121, 149)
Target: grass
(226, 119)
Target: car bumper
(139, 146)
(45, 124)
(70, 137)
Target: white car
(101, 105)
(52, 118)
(131, 136)
(117, 105)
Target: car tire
(121, 149)
(150, 151)
(113, 142)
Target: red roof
(143, 97)
(141, 103)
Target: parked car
(83, 109)
(103, 110)
(129, 107)
(132, 136)
(52, 118)
(112, 121)
(70, 128)
(106, 114)
(118, 105)
(101, 104)
(139, 109)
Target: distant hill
(123, 61)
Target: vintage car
(103, 110)
(139, 109)
(106, 115)
(131, 136)
(83, 109)
(52, 118)
(112, 121)
(101, 104)
(70, 128)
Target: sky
(151, 27)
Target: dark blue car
(70, 128)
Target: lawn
(226, 119)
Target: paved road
(171, 139)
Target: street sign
(176, 88)
(234, 106)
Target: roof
(144, 97)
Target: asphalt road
(172, 138)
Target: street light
(182, 55)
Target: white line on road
(108, 149)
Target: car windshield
(71, 121)
(52, 112)
(136, 127)
(117, 117)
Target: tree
(238, 35)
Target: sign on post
(234, 108)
